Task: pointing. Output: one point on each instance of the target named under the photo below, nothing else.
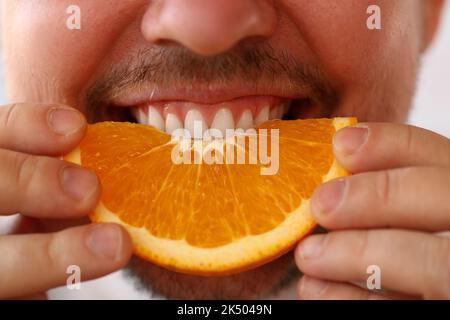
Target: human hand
(46, 191)
(389, 214)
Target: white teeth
(155, 119)
(263, 116)
(140, 115)
(172, 123)
(246, 120)
(223, 120)
(194, 120)
(195, 123)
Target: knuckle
(364, 243)
(9, 115)
(383, 182)
(388, 184)
(26, 167)
(361, 240)
(409, 139)
(51, 252)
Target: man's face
(317, 56)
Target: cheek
(47, 61)
(355, 57)
(337, 32)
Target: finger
(45, 187)
(40, 129)
(413, 198)
(345, 256)
(316, 289)
(377, 146)
(38, 262)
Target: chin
(256, 283)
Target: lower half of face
(319, 59)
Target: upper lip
(211, 94)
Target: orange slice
(209, 218)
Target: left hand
(388, 214)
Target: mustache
(255, 66)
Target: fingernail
(328, 196)
(310, 287)
(311, 247)
(65, 121)
(105, 241)
(79, 183)
(350, 139)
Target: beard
(256, 283)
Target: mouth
(172, 88)
(243, 112)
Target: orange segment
(208, 219)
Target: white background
(431, 109)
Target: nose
(208, 27)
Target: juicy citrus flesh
(209, 219)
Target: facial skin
(349, 70)
(363, 66)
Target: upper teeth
(222, 120)
(192, 117)
(155, 119)
(245, 121)
(263, 115)
(172, 123)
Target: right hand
(36, 250)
